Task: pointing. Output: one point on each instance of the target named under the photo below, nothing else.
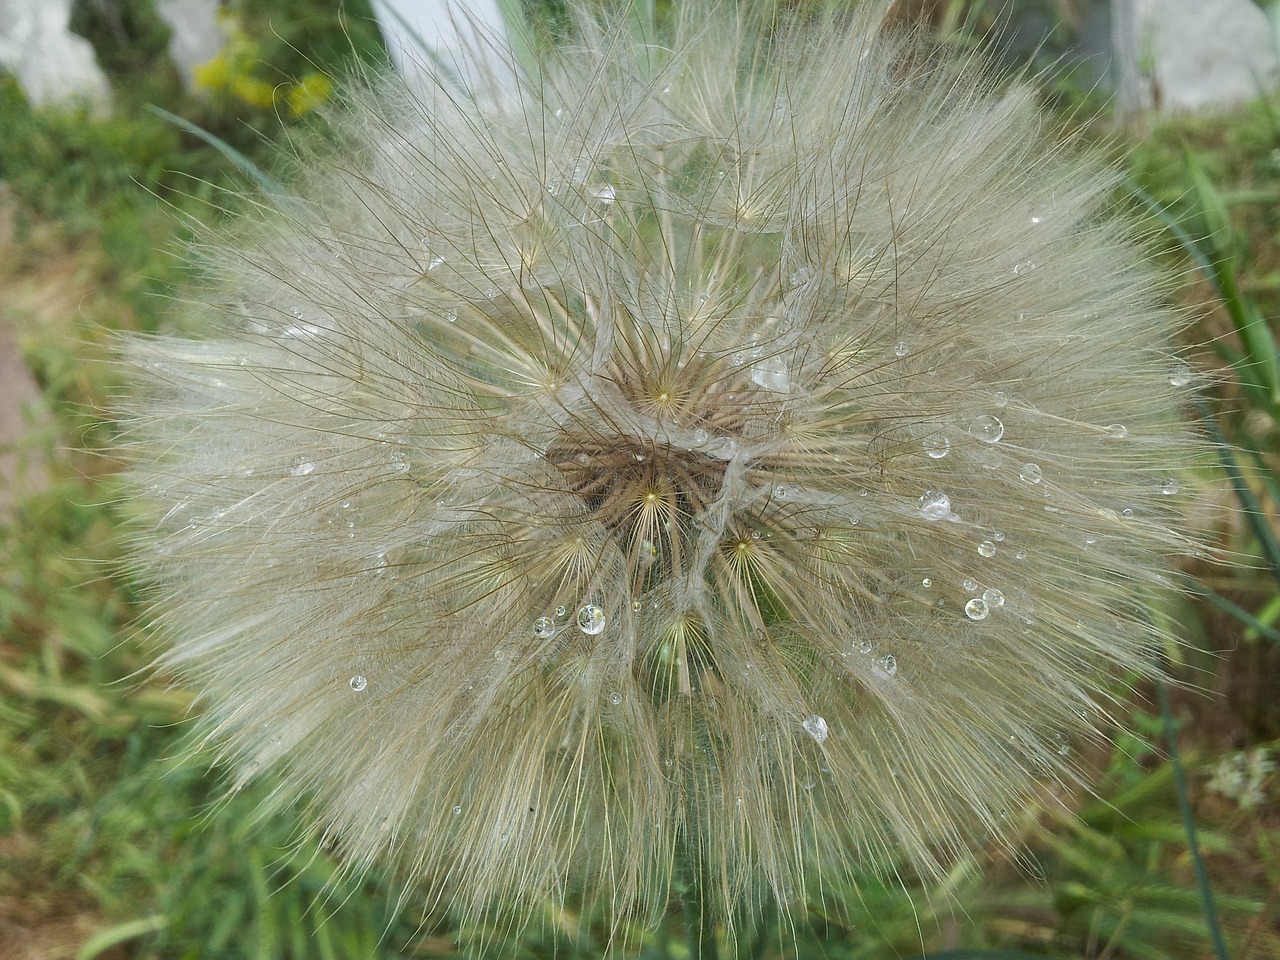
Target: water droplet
(1026, 266)
(937, 446)
(544, 627)
(935, 506)
(771, 372)
(1181, 375)
(926, 582)
(561, 612)
(1001, 398)
(302, 468)
(816, 727)
(986, 428)
(998, 536)
(780, 492)
(345, 505)
(1021, 554)
(1035, 221)
(358, 683)
(987, 549)
(591, 619)
(646, 553)
(457, 810)
(699, 437)
(738, 359)
(1030, 472)
(886, 665)
(970, 585)
(1127, 513)
(993, 597)
(1117, 430)
(864, 645)
(615, 698)
(976, 609)
(451, 316)
(901, 348)
(1169, 487)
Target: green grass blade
(1256, 626)
(1258, 366)
(1252, 508)
(246, 166)
(108, 939)
(1174, 226)
(1261, 366)
(1189, 825)
(1226, 456)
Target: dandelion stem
(698, 923)
(763, 935)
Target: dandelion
(736, 452)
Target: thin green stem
(1240, 613)
(699, 927)
(765, 931)
(245, 165)
(1189, 825)
(1252, 508)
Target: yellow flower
(310, 92)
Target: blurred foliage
(113, 843)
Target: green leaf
(1259, 367)
(104, 940)
(246, 166)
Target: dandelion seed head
(604, 463)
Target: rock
(51, 63)
(1201, 53)
(446, 27)
(196, 36)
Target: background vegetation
(114, 844)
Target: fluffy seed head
(744, 446)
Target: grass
(115, 844)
